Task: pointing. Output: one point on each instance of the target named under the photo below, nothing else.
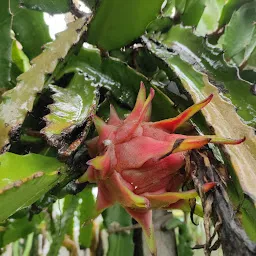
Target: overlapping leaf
(5, 46)
(52, 7)
(86, 212)
(29, 28)
(71, 108)
(239, 39)
(118, 22)
(119, 78)
(18, 101)
(120, 243)
(208, 59)
(24, 179)
(185, 49)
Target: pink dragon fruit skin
(137, 163)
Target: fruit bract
(137, 163)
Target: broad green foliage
(29, 24)
(206, 58)
(118, 22)
(71, 107)
(239, 39)
(52, 7)
(5, 46)
(19, 58)
(24, 179)
(185, 50)
(87, 211)
(209, 21)
(119, 78)
(119, 242)
(199, 87)
(18, 101)
(63, 225)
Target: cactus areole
(137, 163)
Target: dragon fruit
(137, 163)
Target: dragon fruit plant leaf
(71, 107)
(117, 77)
(16, 103)
(116, 216)
(136, 162)
(86, 211)
(208, 60)
(24, 179)
(239, 48)
(242, 158)
(228, 9)
(19, 58)
(209, 21)
(113, 25)
(62, 225)
(29, 24)
(5, 46)
(52, 7)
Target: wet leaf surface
(18, 101)
(72, 106)
(229, 125)
(185, 47)
(117, 77)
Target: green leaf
(119, 78)
(71, 108)
(187, 50)
(19, 58)
(120, 243)
(206, 58)
(193, 12)
(50, 6)
(228, 9)
(24, 179)
(30, 29)
(62, 226)
(19, 228)
(209, 21)
(18, 101)
(118, 22)
(239, 39)
(86, 212)
(5, 45)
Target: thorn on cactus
(137, 162)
